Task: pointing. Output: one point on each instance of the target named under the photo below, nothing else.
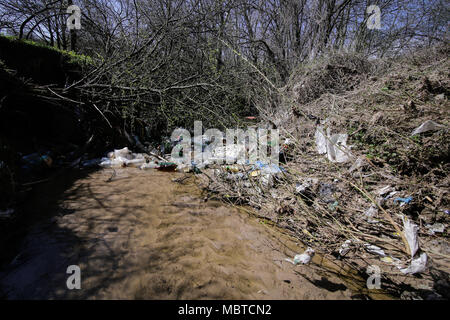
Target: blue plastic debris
(405, 200)
(272, 168)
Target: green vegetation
(72, 57)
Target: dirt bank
(142, 236)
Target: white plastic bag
(123, 153)
(321, 140)
(417, 265)
(303, 258)
(428, 125)
(410, 230)
(335, 146)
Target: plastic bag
(123, 153)
(335, 146)
(417, 265)
(428, 125)
(410, 230)
(303, 258)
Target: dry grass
(378, 104)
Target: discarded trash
(151, 165)
(167, 166)
(91, 163)
(123, 153)
(384, 190)
(235, 176)
(233, 169)
(267, 172)
(301, 187)
(304, 185)
(321, 140)
(345, 248)
(370, 213)
(186, 168)
(374, 249)
(255, 173)
(135, 162)
(403, 200)
(337, 148)
(267, 180)
(125, 158)
(417, 265)
(326, 192)
(390, 195)
(268, 168)
(435, 228)
(333, 206)
(114, 163)
(359, 163)
(428, 125)
(410, 230)
(35, 160)
(6, 214)
(303, 258)
(396, 262)
(234, 153)
(334, 145)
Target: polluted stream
(137, 234)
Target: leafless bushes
(324, 203)
(332, 74)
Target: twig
(102, 115)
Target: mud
(139, 235)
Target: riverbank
(143, 236)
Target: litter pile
(122, 158)
(366, 178)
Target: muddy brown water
(142, 236)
